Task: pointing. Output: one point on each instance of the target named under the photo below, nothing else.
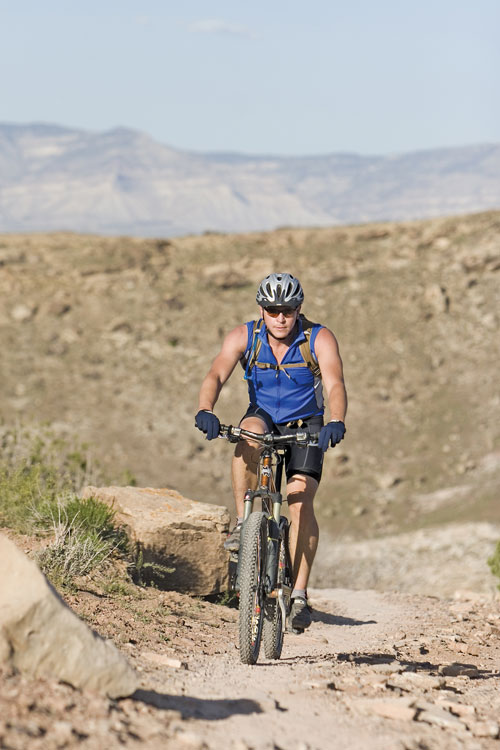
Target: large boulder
(41, 636)
(180, 541)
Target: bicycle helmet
(280, 290)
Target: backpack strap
(305, 347)
(249, 359)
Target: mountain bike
(264, 577)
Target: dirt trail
(374, 670)
(366, 655)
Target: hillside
(123, 182)
(109, 338)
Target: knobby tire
(252, 569)
(272, 629)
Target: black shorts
(299, 459)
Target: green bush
(24, 490)
(84, 535)
(39, 474)
(494, 562)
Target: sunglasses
(288, 312)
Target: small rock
(373, 679)
(320, 685)
(472, 650)
(436, 299)
(459, 709)
(487, 728)
(360, 510)
(456, 669)
(440, 718)
(395, 711)
(22, 312)
(387, 480)
(393, 708)
(392, 668)
(459, 648)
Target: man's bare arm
(330, 364)
(223, 365)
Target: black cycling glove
(207, 423)
(331, 434)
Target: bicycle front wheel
(252, 571)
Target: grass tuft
(39, 477)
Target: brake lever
(230, 433)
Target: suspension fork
(278, 498)
(265, 474)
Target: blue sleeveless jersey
(286, 395)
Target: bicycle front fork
(275, 498)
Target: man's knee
(301, 488)
(248, 449)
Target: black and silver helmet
(280, 290)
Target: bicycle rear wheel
(251, 577)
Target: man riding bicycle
(288, 363)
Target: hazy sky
(279, 76)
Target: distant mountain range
(123, 182)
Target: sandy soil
(374, 670)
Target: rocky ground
(389, 671)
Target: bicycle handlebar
(234, 434)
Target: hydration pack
(251, 360)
